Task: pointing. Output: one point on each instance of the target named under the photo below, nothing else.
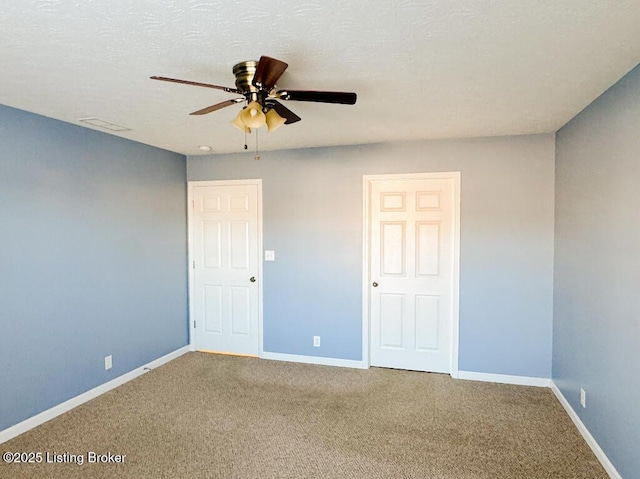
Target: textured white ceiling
(421, 68)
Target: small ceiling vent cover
(104, 124)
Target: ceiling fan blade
(268, 72)
(217, 106)
(345, 98)
(195, 83)
(284, 112)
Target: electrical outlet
(269, 255)
(316, 341)
(583, 397)
(108, 362)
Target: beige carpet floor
(211, 416)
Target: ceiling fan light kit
(252, 116)
(237, 122)
(256, 82)
(274, 121)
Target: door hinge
(194, 325)
(193, 204)
(194, 265)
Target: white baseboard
(505, 379)
(597, 450)
(76, 401)
(297, 358)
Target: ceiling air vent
(103, 124)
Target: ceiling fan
(256, 82)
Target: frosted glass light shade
(252, 115)
(274, 121)
(237, 122)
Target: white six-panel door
(412, 272)
(225, 255)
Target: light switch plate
(269, 255)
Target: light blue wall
(313, 221)
(92, 259)
(597, 270)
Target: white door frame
(366, 267)
(190, 207)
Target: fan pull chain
(257, 156)
(245, 139)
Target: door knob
(375, 285)
(252, 279)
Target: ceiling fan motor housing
(244, 73)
